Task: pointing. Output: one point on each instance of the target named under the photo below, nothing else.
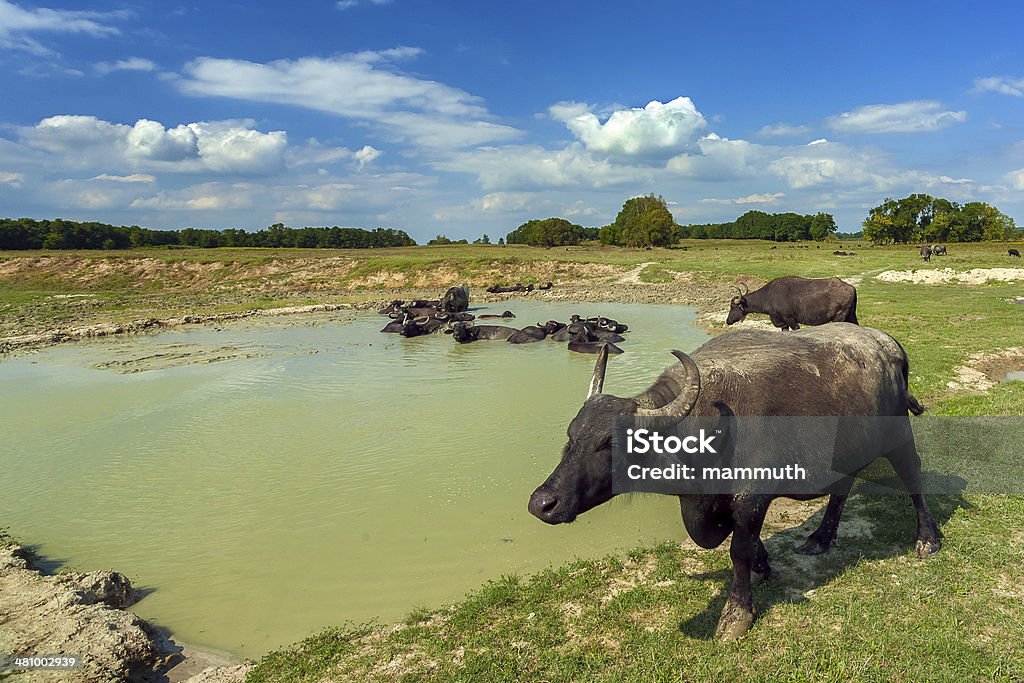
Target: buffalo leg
(907, 464)
(761, 565)
(738, 613)
(824, 537)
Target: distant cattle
(1013, 252)
(926, 253)
(939, 250)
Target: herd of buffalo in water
(450, 315)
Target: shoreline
(87, 614)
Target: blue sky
(466, 118)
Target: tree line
(27, 233)
(923, 218)
(759, 225)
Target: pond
(267, 481)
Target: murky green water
(323, 472)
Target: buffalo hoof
(813, 546)
(735, 621)
(928, 546)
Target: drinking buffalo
(834, 370)
(792, 301)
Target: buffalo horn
(687, 389)
(597, 383)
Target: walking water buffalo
(838, 369)
(926, 253)
(1013, 252)
(792, 301)
(455, 300)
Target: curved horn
(687, 389)
(597, 382)
(746, 289)
(422, 321)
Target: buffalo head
(738, 306)
(583, 478)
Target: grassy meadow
(868, 610)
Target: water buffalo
(1013, 252)
(432, 324)
(466, 332)
(837, 369)
(939, 250)
(926, 253)
(416, 307)
(455, 300)
(534, 333)
(505, 314)
(792, 301)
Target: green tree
(822, 225)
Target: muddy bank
(711, 299)
(939, 276)
(85, 615)
(74, 333)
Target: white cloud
(17, 22)
(217, 146)
(906, 117)
(720, 158)
(133, 178)
(203, 197)
(130, 64)
(1016, 179)
(362, 86)
(1004, 85)
(771, 198)
(657, 129)
(349, 4)
(14, 179)
(783, 130)
(530, 167)
(366, 154)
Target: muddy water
(268, 481)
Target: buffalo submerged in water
(838, 369)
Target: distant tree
(923, 218)
(643, 221)
(440, 239)
(822, 225)
(501, 241)
(549, 232)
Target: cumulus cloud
(363, 86)
(718, 158)
(130, 64)
(656, 130)
(906, 117)
(203, 197)
(365, 155)
(218, 146)
(16, 23)
(1004, 85)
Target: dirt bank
(85, 615)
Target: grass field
(868, 610)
